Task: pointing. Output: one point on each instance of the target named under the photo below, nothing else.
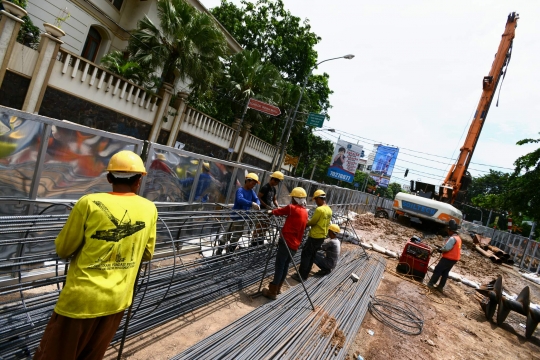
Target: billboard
(344, 161)
(383, 165)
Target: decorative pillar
(9, 29)
(232, 144)
(166, 89)
(48, 50)
(246, 133)
(180, 107)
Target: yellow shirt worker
(107, 235)
(319, 222)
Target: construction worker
(290, 239)
(106, 235)
(268, 199)
(245, 199)
(267, 193)
(451, 253)
(332, 249)
(319, 222)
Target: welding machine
(415, 258)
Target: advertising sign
(344, 161)
(383, 165)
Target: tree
(186, 45)
(285, 41)
(516, 193)
(524, 195)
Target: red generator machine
(415, 259)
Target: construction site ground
(455, 327)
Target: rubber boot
(271, 292)
(279, 288)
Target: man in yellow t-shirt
(106, 235)
(319, 222)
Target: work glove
(255, 206)
(270, 212)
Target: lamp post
(282, 154)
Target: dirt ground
(454, 327)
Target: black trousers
(441, 271)
(308, 256)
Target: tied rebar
(185, 274)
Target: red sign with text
(264, 107)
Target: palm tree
(247, 76)
(119, 64)
(187, 44)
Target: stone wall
(60, 105)
(13, 90)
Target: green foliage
(314, 150)
(186, 45)
(118, 63)
(524, 195)
(282, 39)
(29, 33)
(288, 43)
(518, 192)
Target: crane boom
(458, 179)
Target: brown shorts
(67, 338)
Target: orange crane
(458, 178)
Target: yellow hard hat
(161, 157)
(334, 228)
(277, 175)
(206, 165)
(253, 176)
(319, 193)
(126, 161)
(298, 192)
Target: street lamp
(330, 130)
(284, 146)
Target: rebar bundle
(288, 328)
(185, 274)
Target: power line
(371, 141)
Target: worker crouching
(451, 253)
(328, 258)
(290, 239)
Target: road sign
(264, 107)
(316, 120)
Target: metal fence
(45, 161)
(522, 250)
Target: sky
(416, 78)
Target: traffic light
(362, 154)
(406, 173)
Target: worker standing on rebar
(451, 253)
(245, 199)
(268, 199)
(107, 235)
(291, 237)
(332, 249)
(319, 222)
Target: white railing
(102, 86)
(257, 145)
(201, 125)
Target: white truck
(415, 206)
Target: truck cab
(423, 208)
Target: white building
(97, 27)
